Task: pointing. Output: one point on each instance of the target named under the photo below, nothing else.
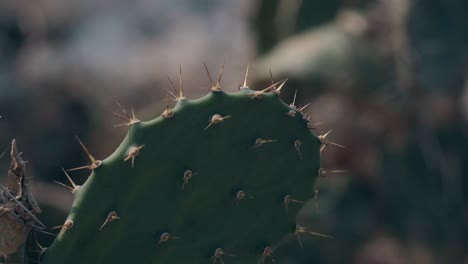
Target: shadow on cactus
(219, 179)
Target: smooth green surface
(205, 215)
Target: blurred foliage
(276, 20)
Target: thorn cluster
(94, 163)
(129, 119)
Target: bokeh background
(389, 76)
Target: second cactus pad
(219, 180)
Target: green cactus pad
(205, 186)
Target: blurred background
(389, 76)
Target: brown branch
(18, 210)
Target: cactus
(218, 179)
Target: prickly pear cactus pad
(219, 179)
